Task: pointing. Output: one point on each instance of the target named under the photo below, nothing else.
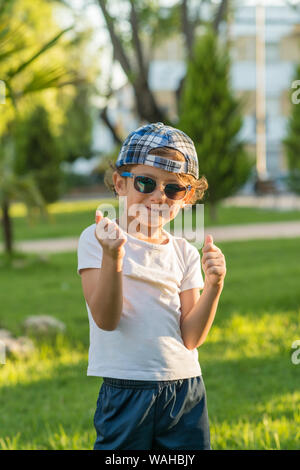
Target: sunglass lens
(143, 184)
(173, 191)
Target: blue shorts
(147, 415)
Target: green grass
(69, 219)
(48, 402)
(65, 220)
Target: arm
(103, 291)
(198, 313)
(197, 322)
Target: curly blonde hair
(199, 185)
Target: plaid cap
(137, 145)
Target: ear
(119, 183)
(188, 196)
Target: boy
(142, 295)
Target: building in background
(282, 54)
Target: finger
(208, 239)
(210, 247)
(115, 232)
(120, 233)
(98, 216)
(213, 262)
(103, 222)
(212, 255)
(215, 270)
(112, 232)
(102, 227)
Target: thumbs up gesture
(213, 263)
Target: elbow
(106, 327)
(190, 346)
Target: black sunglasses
(145, 184)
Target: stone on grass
(18, 347)
(5, 334)
(43, 325)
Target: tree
(38, 152)
(147, 19)
(48, 68)
(210, 115)
(292, 140)
(75, 138)
(12, 187)
(24, 74)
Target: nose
(158, 196)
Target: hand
(213, 263)
(110, 236)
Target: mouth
(154, 210)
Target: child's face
(157, 199)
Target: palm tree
(15, 187)
(12, 186)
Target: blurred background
(76, 76)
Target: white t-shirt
(147, 343)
